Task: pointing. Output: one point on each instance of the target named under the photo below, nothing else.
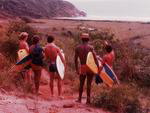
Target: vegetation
(131, 67)
(122, 99)
(9, 46)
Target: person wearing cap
(81, 52)
(51, 52)
(23, 45)
(36, 52)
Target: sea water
(120, 10)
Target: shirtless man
(84, 72)
(37, 61)
(24, 45)
(51, 52)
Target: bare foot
(78, 101)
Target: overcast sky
(123, 8)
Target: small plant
(54, 29)
(121, 99)
(9, 48)
(6, 80)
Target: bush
(6, 80)
(9, 46)
(16, 27)
(5, 64)
(123, 99)
(26, 19)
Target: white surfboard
(60, 67)
(90, 62)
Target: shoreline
(100, 20)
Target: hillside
(39, 8)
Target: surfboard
(22, 53)
(60, 67)
(20, 65)
(24, 60)
(108, 75)
(90, 62)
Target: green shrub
(123, 99)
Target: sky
(114, 8)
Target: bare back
(82, 52)
(51, 52)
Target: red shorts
(84, 69)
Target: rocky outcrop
(40, 8)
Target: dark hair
(35, 39)
(50, 39)
(85, 39)
(108, 48)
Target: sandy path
(44, 103)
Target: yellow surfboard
(90, 62)
(107, 74)
(22, 53)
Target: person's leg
(59, 85)
(82, 80)
(89, 82)
(52, 82)
(37, 76)
(28, 75)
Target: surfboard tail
(24, 60)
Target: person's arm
(76, 60)
(45, 53)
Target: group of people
(50, 52)
(39, 55)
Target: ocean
(120, 10)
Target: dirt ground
(44, 103)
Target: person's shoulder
(78, 46)
(90, 46)
(24, 42)
(32, 46)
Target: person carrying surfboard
(36, 52)
(81, 52)
(24, 48)
(51, 53)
